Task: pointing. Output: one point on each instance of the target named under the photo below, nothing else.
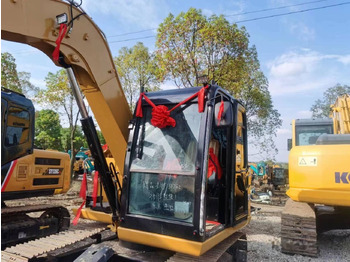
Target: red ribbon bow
(161, 115)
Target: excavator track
(298, 230)
(25, 209)
(24, 223)
(42, 247)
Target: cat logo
(342, 177)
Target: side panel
(319, 171)
(41, 172)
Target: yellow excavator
(28, 172)
(178, 178)
(319, 179)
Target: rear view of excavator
(28, 172)
(319, 180)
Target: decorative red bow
(161, 114)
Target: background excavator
(179, 183)
(28, 172)
(319, 179)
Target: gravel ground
(263, 232)
(264, 239)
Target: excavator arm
(340, 112)
(85, 49)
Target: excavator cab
(186, 184)
(17, 126)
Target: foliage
(321, 107)
(11, 78)
(47, 130)
(79, 139)
(192, 45)
(136, 69)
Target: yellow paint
(111, 160)
(88, 213)
(320, 196)
(312, 173)
(113, 228)
(43, 227)
(176, 244)
(23, 181)
(57, 191)
(341, 114)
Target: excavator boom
(341, 114)
(84, 48)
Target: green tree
(11, 78)
(47, 130)
(136, 69)
(321, 107)
(101, 137)
(79, 139)
(59, 96)
(192, 45)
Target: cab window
(240, 159)
(17, 130)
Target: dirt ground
(263, 232)
(264, 239)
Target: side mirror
(226, 114)
(289, 144)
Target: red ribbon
(82, 193)
(61, 34)
(221, 110)
(75, 221)
(213, 164)
(161, 115)
(94, 191)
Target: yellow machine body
(42, 170)
(319, 171)
(317, 174)
(181, 245)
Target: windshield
(162, 196)
(171, 149)
(308, 135)
(163, 167)
(279, 173)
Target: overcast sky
(302, 54)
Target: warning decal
(307, 161)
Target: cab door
(240, 155)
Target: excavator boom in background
(178, 182)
